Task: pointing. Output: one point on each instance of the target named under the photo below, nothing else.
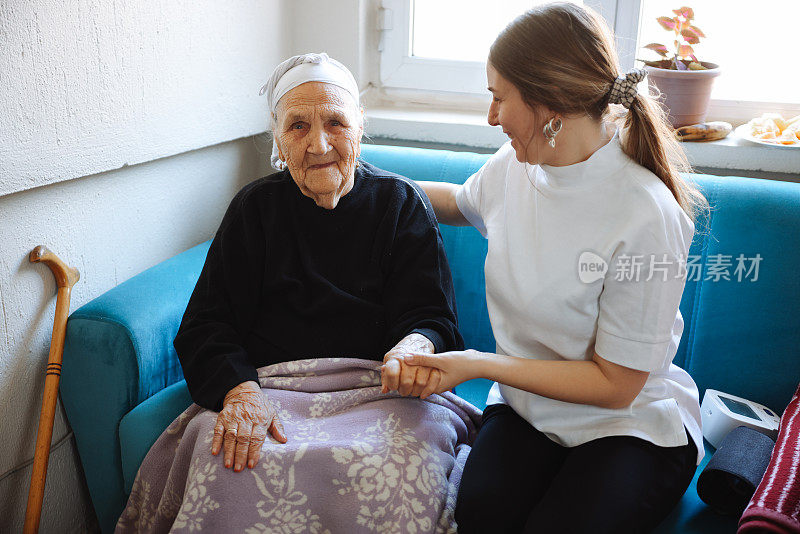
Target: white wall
(344, 29)
(125, 129)
(92, 85)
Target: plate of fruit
(772, 129)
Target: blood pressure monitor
(722, 412)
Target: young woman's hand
(454, 367)
(242, 426)
(407, 379)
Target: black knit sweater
(285, 280)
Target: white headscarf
(298, 70)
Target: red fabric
(775, 506)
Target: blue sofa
(122, 382)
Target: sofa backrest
(742, 334)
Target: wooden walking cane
(66, 277)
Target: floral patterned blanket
(356, 461)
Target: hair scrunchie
(623, 90)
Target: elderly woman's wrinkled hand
(413, 380)
(242, 426)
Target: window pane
(476, 24)
(754, 43)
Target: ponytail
(648, 140)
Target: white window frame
(400, 70)
(403, 74)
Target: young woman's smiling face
(318, 130)
(518, 121)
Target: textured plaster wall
(125, 129)
(92, 85)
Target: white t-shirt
(550, 229)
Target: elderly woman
(331, 257)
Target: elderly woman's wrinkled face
(319, 131)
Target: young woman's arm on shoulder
(443, 198)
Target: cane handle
(65, 275)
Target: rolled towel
(775, 506)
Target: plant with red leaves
(686, 35)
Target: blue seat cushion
(140, 427)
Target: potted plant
(684, 82)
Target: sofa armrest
(117, 353)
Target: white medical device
(721, 412)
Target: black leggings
(518, 480)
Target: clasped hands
(414, 380)
(412, 369)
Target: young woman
(589, 426)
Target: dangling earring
(551, 129)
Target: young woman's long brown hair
(562, 56)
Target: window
(441, 45)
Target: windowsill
(469, 129)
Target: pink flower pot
(685, 93)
